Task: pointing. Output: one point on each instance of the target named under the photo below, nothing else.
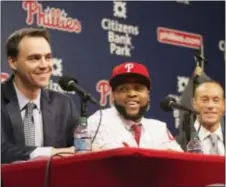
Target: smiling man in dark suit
(198, 78)
(34, 121)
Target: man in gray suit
(34, 121)
(183, 131)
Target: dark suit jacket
(59, 120)
(183, 134)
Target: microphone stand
(84, 111)
(189, 128)
(199, 59)
(192, 129)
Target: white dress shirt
(206, 142)
(115, 132)
(37, 114)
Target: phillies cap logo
(129, 66)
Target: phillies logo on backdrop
(104, 89)
(4, 76)
(53, 18)
(182, 82)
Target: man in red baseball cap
(124, 123)
(130, 83)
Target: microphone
(70, 84)
(169, 104)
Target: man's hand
(69, 151)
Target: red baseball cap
(130, 72)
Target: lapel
(48, 119)
(13, 110)
(12, 106)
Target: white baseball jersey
(115, 132)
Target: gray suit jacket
(183, 131)
(59, 120)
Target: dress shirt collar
(23, 100)
(204, 133)
(128, 123)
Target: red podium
(120, 167)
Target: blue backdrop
(89, 38)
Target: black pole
(191, 117)
(188, 126)
(84, 111)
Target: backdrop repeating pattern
(89, 38)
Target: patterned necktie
(29, 125)
(214, 142)
(137, 132)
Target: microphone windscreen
(165, 103)
(64, 82)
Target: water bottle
(194, 145)
(82, 137)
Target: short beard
(122, 110)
